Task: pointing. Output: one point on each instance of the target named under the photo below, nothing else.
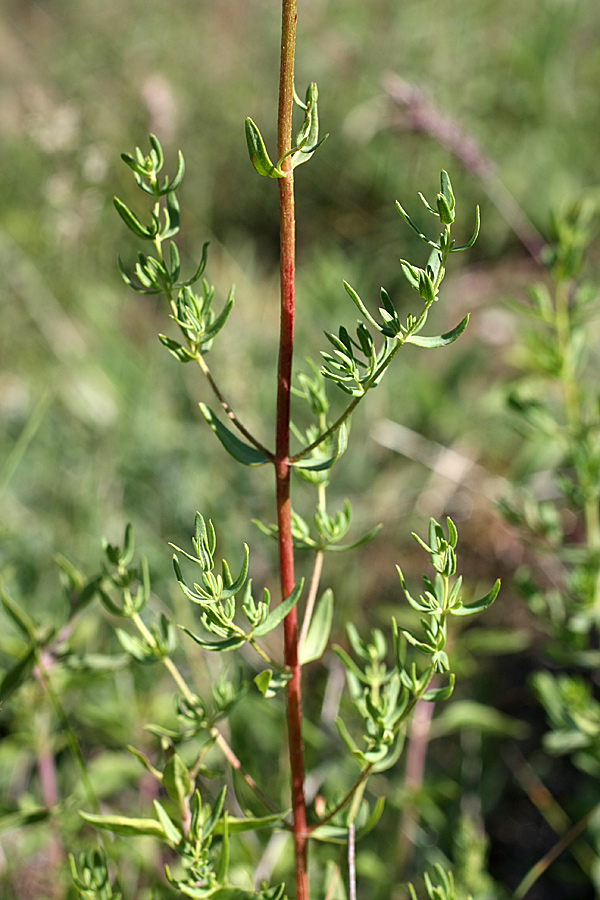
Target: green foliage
(113, 439)
(384, 697)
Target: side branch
(228, 410)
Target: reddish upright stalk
(282, 452)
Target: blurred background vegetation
(99, 426)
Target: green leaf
(178, 176)
(373, 819)
(158, 157)
(474, 236)
(181, 353)
(219, 322)
(269, 683)
(234, 893)
(125, 826)
(215, 814)
(436, 695)
(18, 674)
(462, 714)
(342, 548)
(263, 680)
(231, 643)
(132, 221)
(244, 453)
(330, 834)
(19, 819)
(176, 780)
(135, 647)
(318, 464)
(412, 225)
(236, 825)
(478, 605)
(23, 622)
(258, 152)
(278, 614)
(172, 833)
(441, 340)
(318, 630)
(345, 736)
(307, 139)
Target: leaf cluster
(356, 365)
(386, 695)
(216, 596)
(160, 274)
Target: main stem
(282, 451)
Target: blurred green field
(98, 424)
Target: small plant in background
(557, 511)
(387, 676)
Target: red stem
(282, 452)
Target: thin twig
(312, 596)
(351, 862)
(362, 777)
(228, 410)
(234, 762)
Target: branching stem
(228, 410)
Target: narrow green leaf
(474, 237)
(20, 819)
(158, 155)
(263, 680)
(223, 868)
(412, 225)
(236, 825)
(172, 833)
(244, 453)
(235, 893)
(345, 735)
(330, 834)
(231, 643)
(125, 826)
(18, 674)
(234, 587)
(176, 779)
(478, 605)
(415, 642)
(180, 172)
(278, 614)
(181, 353)
(130, 283)
(341, 548)
(436, 695)
(349, 663)
(360, 305)
(373, 819)
(258, 152)
(132, 221)
(441, 340)
(201, 266)
(215, 814)
(319, 630)
(467, 714)
(270, 683)
(23, 622)
(219, 322)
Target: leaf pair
(307, 140)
